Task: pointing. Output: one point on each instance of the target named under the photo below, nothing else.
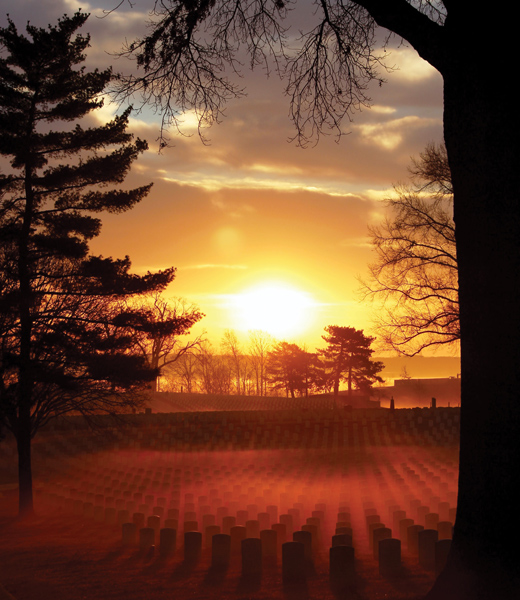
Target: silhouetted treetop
(61, 349)
(192, 48)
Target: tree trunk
(481, 141)
(25, 489)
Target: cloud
(391, 134)
(250, 205)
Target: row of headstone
(115, 516)
(297, 555)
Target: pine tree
(348, 355)
(61, 350)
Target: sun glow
(277, 308)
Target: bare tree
(260, 342)
(215, 375)
(158, 327)
(183, 61)
(186, 370)
(231, 348)
(415, 274)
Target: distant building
(419, 392)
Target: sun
(277, 308)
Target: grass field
(202, 467)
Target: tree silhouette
(260, 343)
(183, 61)
(415, 273)
(156, 325)
(231, 348)
(61, 349)
(348, 355)
(288, 369)
(214, 371)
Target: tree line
(265, 366)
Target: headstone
(343, 531)
(129, 534)
(426, 544)
(379, 534)
(305, 537)
(252, 528)
(342, 539)
(171, 524)
(295, 514)
(139, 519)
(293, 562)
(431, 520)
(192, 546)
(445, 529)
(207, 520)
(372, 518)
(268, 538)
(371, 528)
(287, 520)
(210, 531)
(272, 509)
(444, 511)
(237, 533)
(389, 551)
(422, 511)
(412, 540)
(403, 531)
(242, 517)
(313, 529)
(167, 541)
(281, 533)
(222, 512)
(264, 520)
(227, 523)
(220, 550)
(397, 517)
(173, 513)
(191, 526)
(146, 539)
(251, 559)
(341, 567)
(155, 522)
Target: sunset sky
(250, 216)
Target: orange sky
(250, 207)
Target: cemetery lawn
(60, 557)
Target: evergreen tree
(61, 348)
(348, 355)
(288, 368)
